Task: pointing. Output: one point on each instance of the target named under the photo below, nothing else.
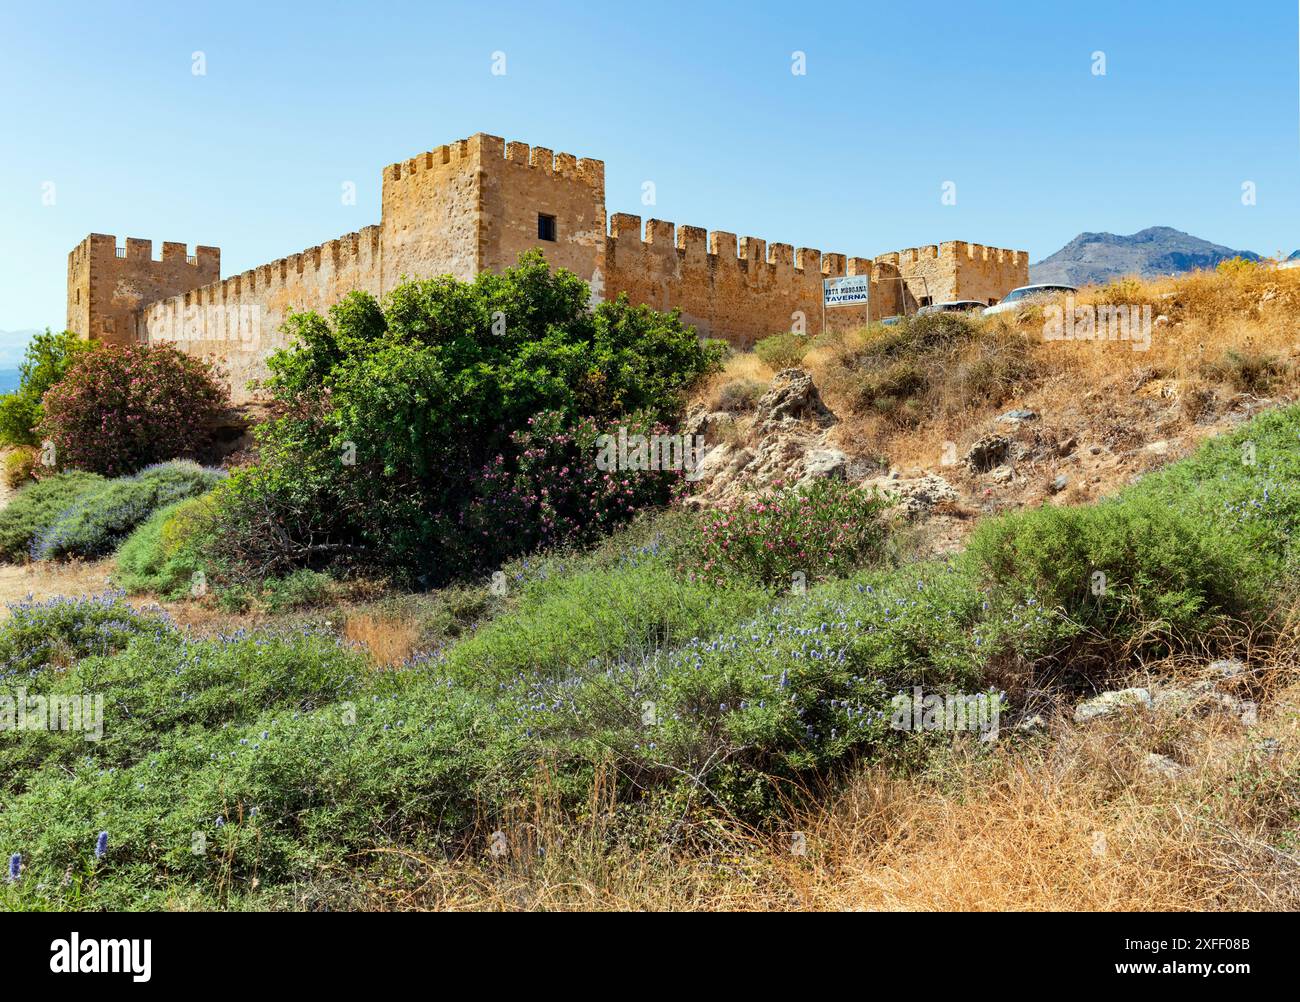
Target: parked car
(956, 306)
(1027, 295)
(893, 321)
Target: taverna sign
(848, 290)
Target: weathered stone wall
(106, 292)
(741, 290)
(987, 273)
(958, 270)
(430, 209)
(518, 184)
(237, 322)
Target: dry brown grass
(390, 638)
(1077, 825)
(1217, 329)
(51, 579)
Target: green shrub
(1119, 569)
(1247, 370)
(20, 462)
(569, 616)
(783, 351)
(44, 363)
(395, 415)
(738, 395)
(119, 408)
(38, 636)
(894, 391)
(826, 529)
(97, 521)
(165, 551)
(37, 506)
(932, 367)
(286, 752)
(299, 590)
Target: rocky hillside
(953, 434)
(1095, 258)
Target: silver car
(956, 306)
(1028, 295)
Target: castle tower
(476, 204)
(108, 285)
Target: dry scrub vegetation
(1222, 344)
(1071, 820)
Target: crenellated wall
(958, 270)
(742, 290)
(518, 184)
(475, 205)
(237, 321)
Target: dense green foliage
(450, 428)
(781, 351)
(166, 551)
(44, 363)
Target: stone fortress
(475, 205)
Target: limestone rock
(792, 397)
(1112, 702)
(988, 452)
(822, 464)
(1163, 766)
(1227, 668)
(915, 498)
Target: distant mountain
(1160, 250)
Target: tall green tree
(46, 361)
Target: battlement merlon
(724, 247)
(108, 282)
(487, 152)
(957, 251)
(105, 247)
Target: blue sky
(997, 97)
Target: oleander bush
(120, 408)
(825, 529)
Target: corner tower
(476, 204)
(108, 285)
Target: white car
(1027, 295)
